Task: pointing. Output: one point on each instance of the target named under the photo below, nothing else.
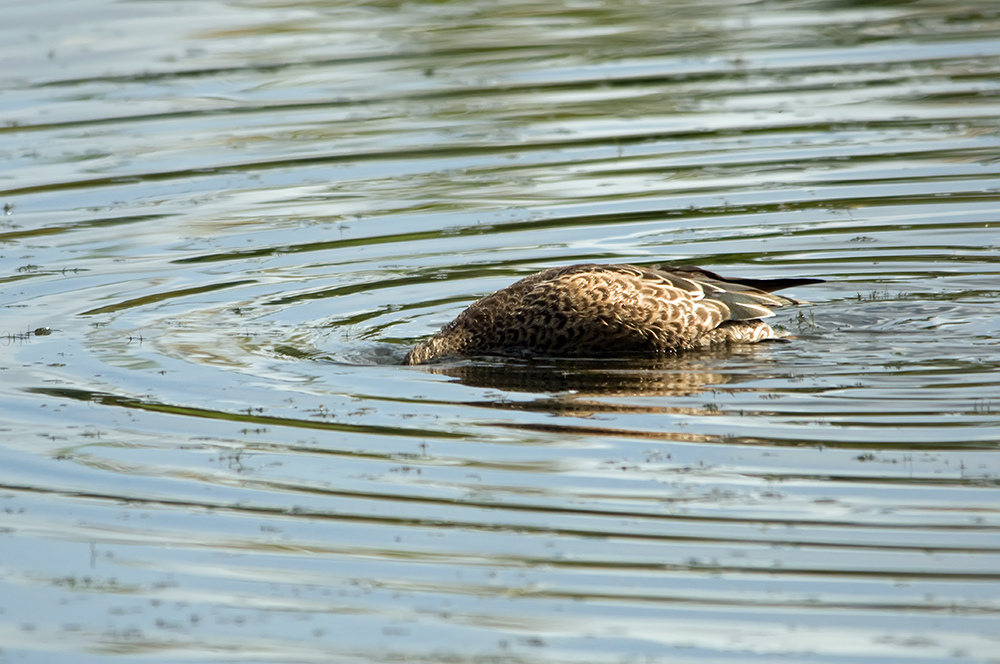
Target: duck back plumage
(606, 310)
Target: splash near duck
(593, 310)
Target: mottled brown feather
(603, 310)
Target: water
(225, 224)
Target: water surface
(226, 223)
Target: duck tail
(766, 285)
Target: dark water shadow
(683, 374)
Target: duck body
(593, 310)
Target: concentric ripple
(225, 224)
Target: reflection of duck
(576, 385)
(595, 310)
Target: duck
(611, 310)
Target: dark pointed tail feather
(766, 285)
(771, 285)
